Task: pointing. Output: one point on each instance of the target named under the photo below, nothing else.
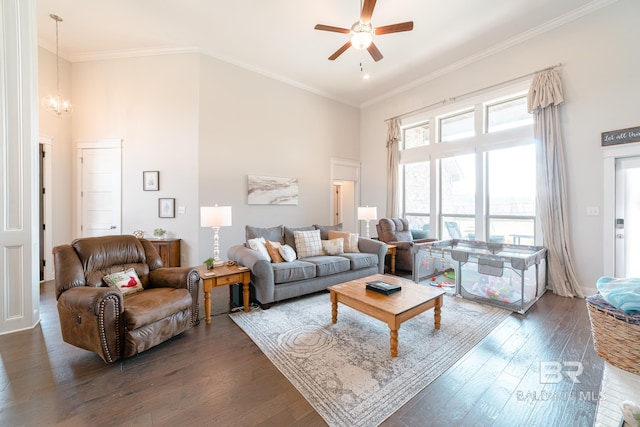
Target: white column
(20, 277)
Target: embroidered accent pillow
(260, 245)
(127, 282)
(333, 246)
(350, 240)
(274, 251)
(287, 253)
(308, 243)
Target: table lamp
(367, 214)
(215, 217)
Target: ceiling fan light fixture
(361, 35)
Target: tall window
(511, 191)
(477, 181)
(416, 195)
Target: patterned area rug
(345, 370)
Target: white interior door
(100, 190)
(627, 238)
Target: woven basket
(616, 335)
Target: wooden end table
(392, 250)
(223, 276)
(392, 309)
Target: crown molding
(513, 41)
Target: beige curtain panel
(393, 137)
(544, 99)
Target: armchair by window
(99, 318)
(395, 231)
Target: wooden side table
(223, 276)
(391, 250)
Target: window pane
(515, 231)
(416, 188)
(458, 180)
(416, 136)
(457, 127)
(508, 114)
(419, 222)
(458, 228)
(512, 181)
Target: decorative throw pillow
(333, 246)
(260, 245)
(127, 282)
(274, 252)
(308, 243)
(350, 240)
(287, 253)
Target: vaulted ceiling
(277, 37)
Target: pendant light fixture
(56, 103)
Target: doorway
(617, 233)
(627, 238)
(345, 193)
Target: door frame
(47, 183)
(611, 154)
(82, 145)
(345, 170)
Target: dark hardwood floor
(215, 376)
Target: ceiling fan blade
(340, 51)
(375, 53)
(330, 28)
(367, 11)
(395, 28)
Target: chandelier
(56, 103)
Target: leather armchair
(98, 318)
(395, 231)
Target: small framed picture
(151, 181)
(167, 208)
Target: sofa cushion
(144, 308)
(350, 240)
(288, 235)
(324, 230)
(308, 243)
(275, 234)
(361, 260)
(285, 272)
(328, 265)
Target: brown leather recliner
(395, 231)
(99, 318)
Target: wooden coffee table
(392, 309)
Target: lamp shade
(367, 213)
(215, 216)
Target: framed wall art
(151, 181)
(167, 208)
(270, 190)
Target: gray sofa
(277, 281)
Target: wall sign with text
(622, 136)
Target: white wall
(602, 86)
(59, 129)
(250, 124)
(152, 104)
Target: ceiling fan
(362, 32)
